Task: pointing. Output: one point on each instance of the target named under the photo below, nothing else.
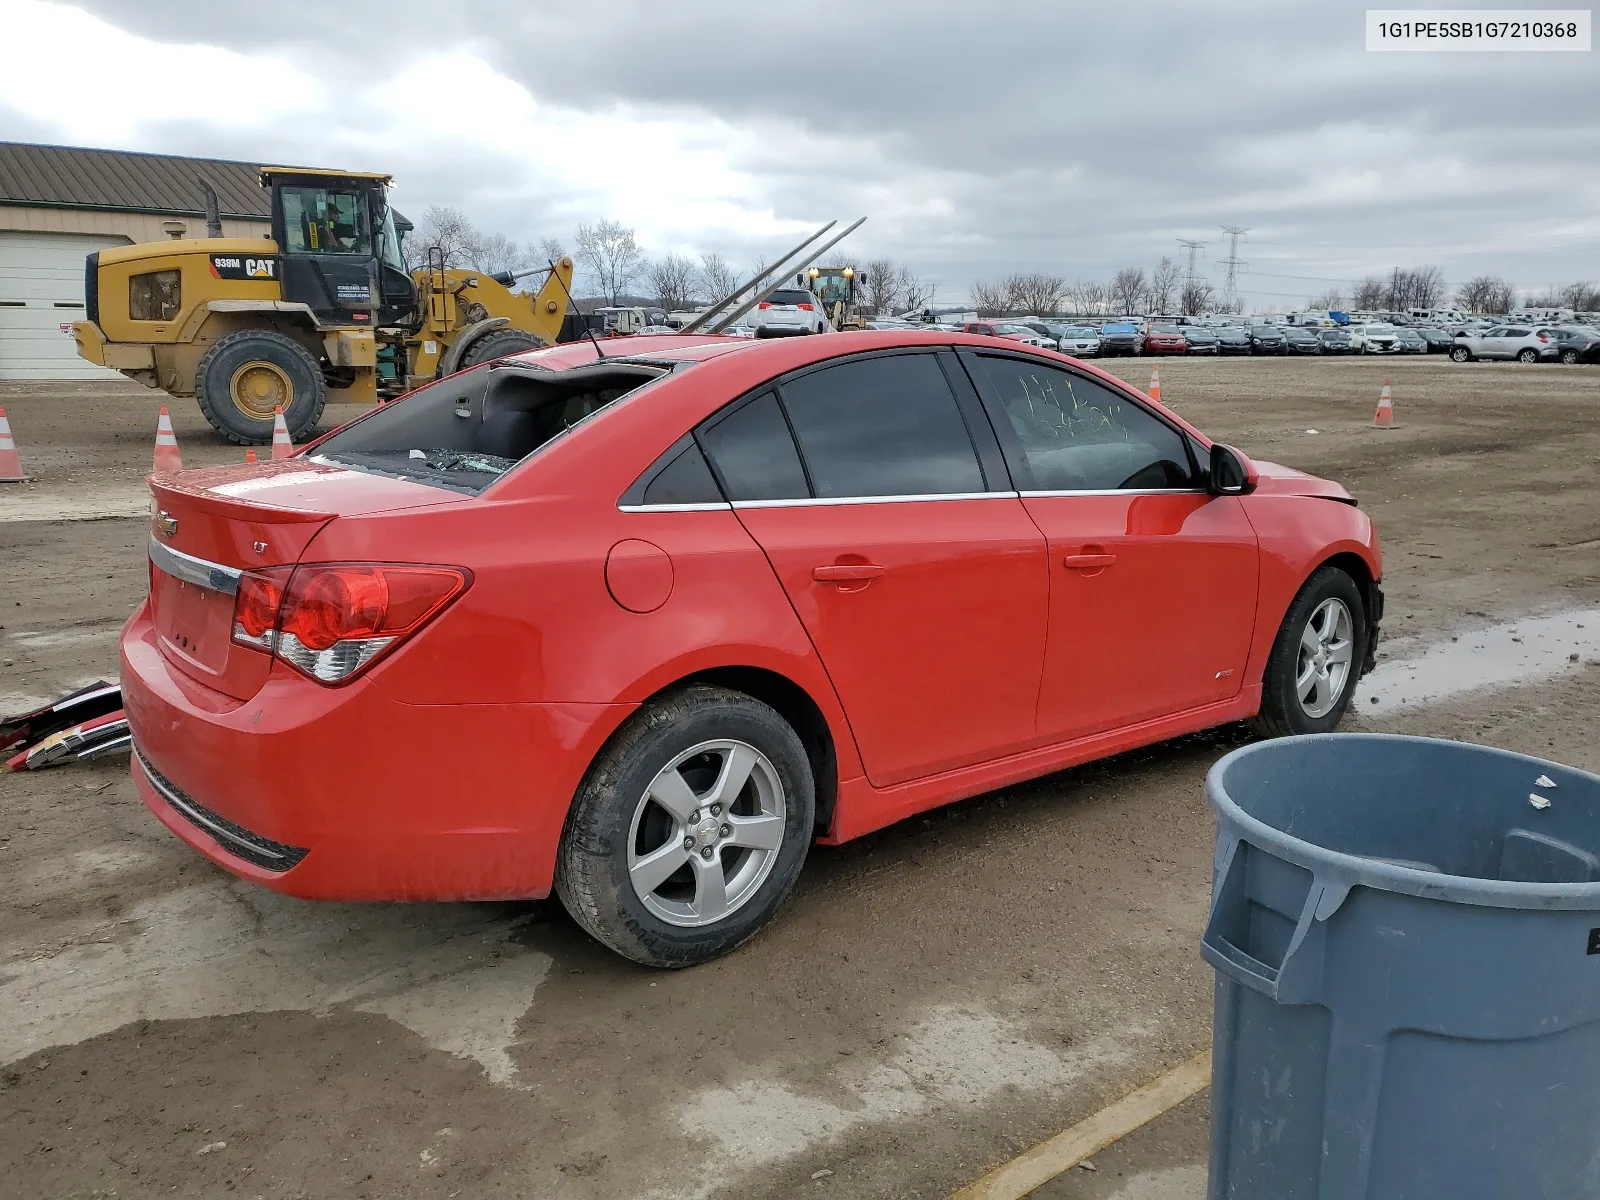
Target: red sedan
(641, 627)
(1165, 339)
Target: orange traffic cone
(1384, 417)
(250, 455)
(167, 460)
(282, 447)
(1155, 384)
(10, 464)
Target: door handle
(1088, 562)
(846, 573)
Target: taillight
(804, 307)
(765, 304)
(256, 604)
(330, 620)
(1542, 338)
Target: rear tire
(1285, 708)
(246, 374)
(1529, 355)
(1460, 354)
(499, 344)
(621, 829)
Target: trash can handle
(1322, 899)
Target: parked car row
(1525, 343)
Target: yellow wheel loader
(323, 309)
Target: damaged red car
(641, 626)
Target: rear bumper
(347, 794)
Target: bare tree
(1500, 299)
(1413, 287)
(1331, 300)
(447, 228)
(716, 277)
(1477, 293)
(1128, 287)
(1580, 297)
(1195, 298)
(880, 283)
(1163, 284)
(1036, 292)
(610, 254)
(1087, 297)
(1368, 295)
(991, 299)
(671, 280)
(493, 252)
(551, 250)
(916, 292)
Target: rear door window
(1072, 433)
(882, 426)
(754, 453)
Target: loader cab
(339, 248)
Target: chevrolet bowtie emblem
(166, 524)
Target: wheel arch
(1359, 569)
(795, 705)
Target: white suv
(790, 311)
(1374, 338)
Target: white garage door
(41, 289)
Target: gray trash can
(1406, 934)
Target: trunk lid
(209, 526)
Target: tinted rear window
(754, 453)
(789, 297)
(882, 427)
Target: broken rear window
(466, 431)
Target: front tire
(689, 830)
(1460, 354)
(248, 374)
(499, 344)
(1316, 660)
(1569, 357)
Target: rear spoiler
(197, 496)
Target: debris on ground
(86, 724)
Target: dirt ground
(936, 998)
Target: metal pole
(713, 309)
(776, 284)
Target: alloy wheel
(706, 833)
(1327, 646)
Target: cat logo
(234, 266)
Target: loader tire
(246, 375)
(498, 344)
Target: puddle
(1517, 652)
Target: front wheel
(1315, 662)
(1569, 357)
(1529, 355)
(244, 378)
(690, 829)
(498, 344)
(1460, 354)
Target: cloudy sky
(978, 139)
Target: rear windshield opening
(464, 432)
(790, 296)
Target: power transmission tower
(1230, 289)
(1191, 247)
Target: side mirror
(1231, 473)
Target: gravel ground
(937, 997)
